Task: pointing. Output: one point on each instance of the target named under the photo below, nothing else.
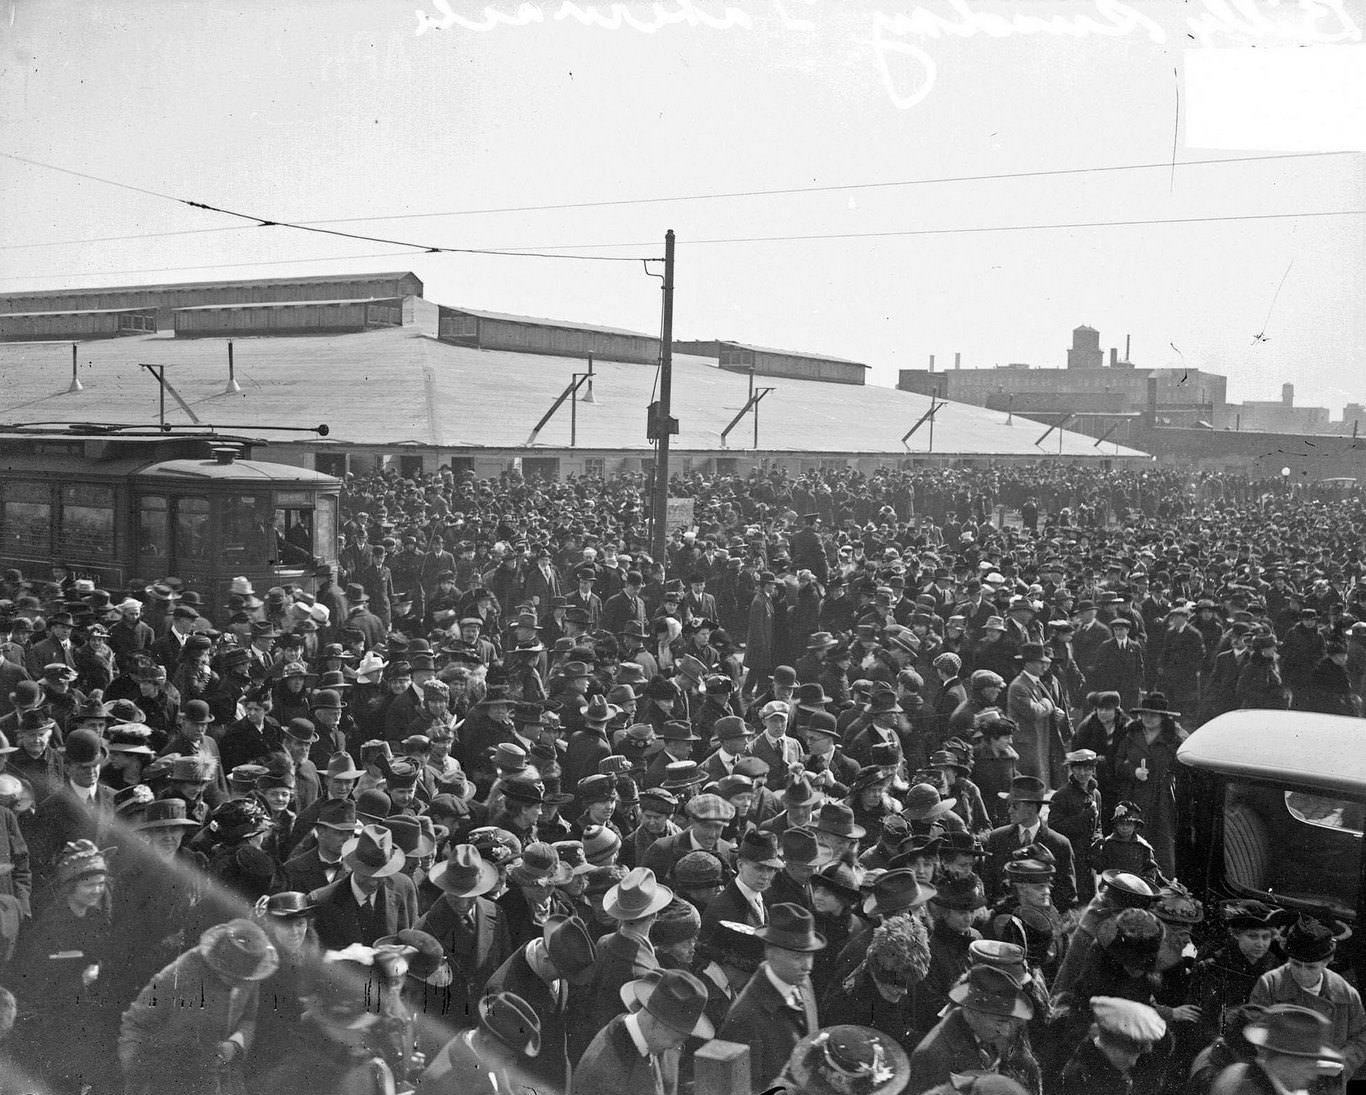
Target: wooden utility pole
(661, 425)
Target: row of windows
(83, 525)
(252, 529)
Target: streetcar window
(86, 528)
(154, 534)
(26, 518)
(245, 528)
(325, 528)
(293, 528)
(192, 529)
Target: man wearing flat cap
(1122, 1032)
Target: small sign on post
(678, 513)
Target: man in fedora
(191, 1027)
(545, 972)
(468, 925)
(637, 1053)
(802, 856)
(371, 898)
(743, 900)
(1025, 800)
(192, 739)
(676, 743)
(625, 954)
(734, 736)
(1294, 1052)
(799, 802)
(706, 816)
(587, 746)
(332, 822)
(988, 1013)
(499, 1049)
(1036, 706)
(828, 767)
(777, 1008)
(1306, 981)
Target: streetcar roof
(238, 469)
(1297, 747)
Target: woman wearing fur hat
(883, 989)
(56, 975)
(1123, 965)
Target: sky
(919, 145)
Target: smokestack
(931, 362)
(1126, 349)
(1114, 355)
(957, 361)
(1288, 395)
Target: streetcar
(127, 505)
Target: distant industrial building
(1102, 401)
(1282, 416)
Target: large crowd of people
(873, 775)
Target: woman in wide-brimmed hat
(531, 898)
(839, 1060)
(185, 1033)
(869, 798)
(1146, 772)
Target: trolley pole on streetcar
(661, 426)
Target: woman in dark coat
(1260, 684)
(1146, 770)
(1101, 731)
(64, 1031)
(290, 696)
(760, 650)
(287, 919)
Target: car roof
(1293, 747)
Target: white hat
(369, 666)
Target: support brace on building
(569, 389)
(1058, 425)
(928, 416)
(753, 402)
(159, 373)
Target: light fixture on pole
(588, 396)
